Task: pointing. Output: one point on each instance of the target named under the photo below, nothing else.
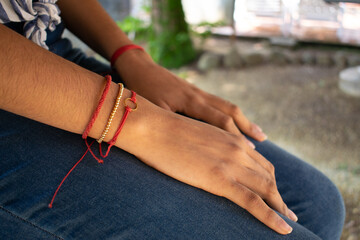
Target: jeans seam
(30, 223)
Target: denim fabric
(126, 199)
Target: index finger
(213, 116)
(242, 122)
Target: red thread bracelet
(85, 134)
(121, 50)
(122, 123)
(98, 108)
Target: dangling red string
(89, 126)
(85, 134)
(62, 181)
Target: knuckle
(271, 168)
(243, 139)
(268, 166)
(270, 215)
(235, 110)
(284, 208)
(219, 171)
(270, 187)
(195, 98)
(235, 149)
(226, 122)
(251, 200)
(219, 179)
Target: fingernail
(263, 136)
(250, 144)
(292, 215)
(258, 131)
(285, 227)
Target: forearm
(47, 88)
(89, 21)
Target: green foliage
(171, 50)
(203, 29)
(135, 25)
(211, 25)
(146, 8)
(170, 42)
(183, 75)
(172, 47)
(132, 24)
(164, 47)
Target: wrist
(138, 126)
(132, 61)
(121, 50)
(148, 132)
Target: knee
(331, 205)
(336, 202)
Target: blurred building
(307, 20)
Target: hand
(193, 152)
(188, 150)
(170, 92)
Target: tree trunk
(170, 44)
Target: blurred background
(293, 67)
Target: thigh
(120, 199)
(15, 227)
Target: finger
(253, 203)
(165, 106)
(247, 127)
(277, 203)
(251, 164)
(276, 199)
(262, 161)
(247, 141)
(266, 188)
(214, 117)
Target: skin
(44, 87)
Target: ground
(301, 109)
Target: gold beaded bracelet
(112, 114)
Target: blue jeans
(126, 199)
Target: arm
(89, 21)
(44, 87)
(65, 94)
